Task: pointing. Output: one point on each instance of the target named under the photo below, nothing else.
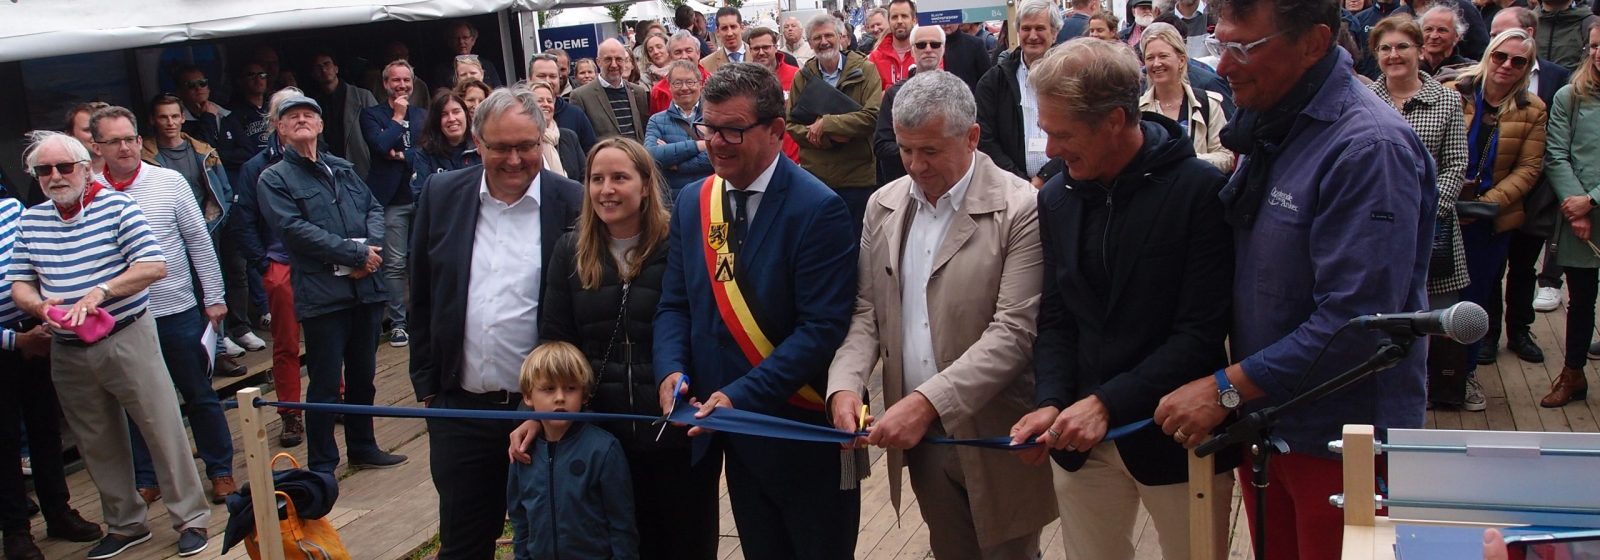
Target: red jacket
(891, 66)
(786, 74)
(661, 94)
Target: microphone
(1463, 322)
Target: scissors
(676, 388)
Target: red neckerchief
(67, 213)
(121, 185)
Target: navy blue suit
(390, 180)
(797, 270)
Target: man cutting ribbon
(758, 293)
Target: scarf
(84, 200)
(550, 147)
(1260, 135)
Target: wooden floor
(391, 514)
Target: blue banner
(580, 41)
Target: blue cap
(298, 101)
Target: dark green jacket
(842, 164)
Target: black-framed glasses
(123, 141)
(195, 84)
(255, 75)
(683, 83)
(927, 44)
(1499, 58)
(64, 168)
(729, 134)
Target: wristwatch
(104, 287)
(1227, 396)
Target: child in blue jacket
(575, 500)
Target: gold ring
(1180, 437)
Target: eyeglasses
(927, 44)
(684, 83)
(1397, 47)
(524, 149)
(729, 134)
(1241, 51)
(1499, 58)
(123, 141)
(255, 75)
(195, 84)
(65, 168)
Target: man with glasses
(202, 118)
(462, 37)
(764, 50)
(837, 148)
(484, 237)
(615, 106)
(1333, 210)
(761, 227)
(681, 46)
(927, 46)
(677, 148)
(333, 229)
(88, 256)
(178, 223)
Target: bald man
(616, 107)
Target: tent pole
(508, 62)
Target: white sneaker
(251, 342)
(230, 349)
(27, 466)
(266, 319)
(1474, 401)
(1547, 299)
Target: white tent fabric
(649, 9)
(43, 28)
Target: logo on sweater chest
(1282, 200)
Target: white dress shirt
(756, 189)
(502, 292)
(1033, 138)
(927, 231)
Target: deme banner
(580, 41)
(940, 12)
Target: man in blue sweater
(1331, 177)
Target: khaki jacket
(842, 164)
(983, 300)
(1205, 129)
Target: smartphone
(1579, 544)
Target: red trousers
(1300, 521)
(285, 333)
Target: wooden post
(1360, 477)
(1203, 543)
(258, 465)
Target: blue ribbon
(731, 420)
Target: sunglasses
(255, 75)
(1499, 58)
(927, 44)
(195, 84)
(65, 168)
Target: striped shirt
(622, 108)
(67, 258)
(179, 227)
(10, 314)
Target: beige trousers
(1100, 502)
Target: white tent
(42, 28)
(646, 10)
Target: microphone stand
(1255, 429)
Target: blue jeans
(341, 342)
(186, 364)
(1486, 260)
(396, 242)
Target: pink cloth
(95, 327)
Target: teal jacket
(1572, 165)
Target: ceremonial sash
(736, 313)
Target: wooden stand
(258, 465)
(1203, 544)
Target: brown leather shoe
(1569, 386)
(221, 487)
(150, 494)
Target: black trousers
(469, 469)
(1521, 278)
(29, 397)
(1583, 284)
(675, 504)
(798, 514)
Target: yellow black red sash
(736, 314)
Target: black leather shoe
(73, 527)
(1488, 350)
(1525, 347)
(380, 460)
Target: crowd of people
(697, 219)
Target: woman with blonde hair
(1505, 150)
(601, 292)
(560, 146)
(1197, 112)
(468, 68)
(1572, 160)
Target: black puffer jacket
(618, 349)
